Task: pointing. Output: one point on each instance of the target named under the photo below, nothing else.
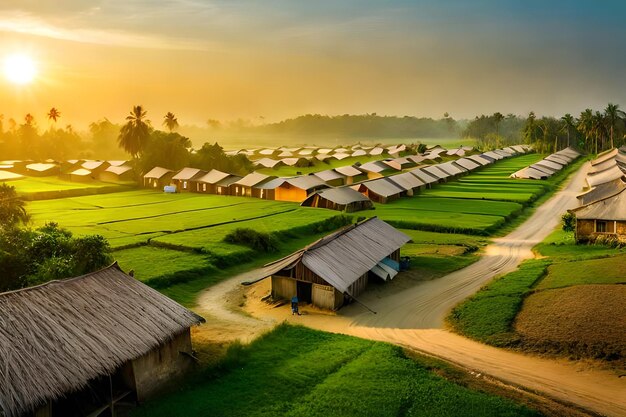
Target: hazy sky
(227, 59)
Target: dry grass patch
(585, 321)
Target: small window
(185, 185)
(203, 187)
(600, 227)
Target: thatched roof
(56, 337)
(343, 257)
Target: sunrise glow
(19, 69)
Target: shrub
(259, 241)
(568, 221)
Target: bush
(262, 242)
(568, 221)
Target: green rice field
(35, 188)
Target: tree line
(592, 132)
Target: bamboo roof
(56, 337)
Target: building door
(304, 290)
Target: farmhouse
(381, 190)
(117, 173)
(182, 179)
(336, 269)
(251, 185)
(342, 199)
(605, 217)
(295, 189)
(81, 345)
(158, 177)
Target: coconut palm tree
(585, 127)
(12, 207)
(568, 123)
(135, 133)
(54, 114)
(530, 129)
(598, 128)
(29, 119)
(613, 115)
(170, 121)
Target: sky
(274, 59)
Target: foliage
(135, 134)
(495, 131)
(103, 139)
(12, 207)
(568, 222)
(489, 314)
(167, 150)
(213, 157)
(259, 241)
(294, 371)
(29, 257)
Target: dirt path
(414, 318)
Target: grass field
(595, 271)
(294, 371)
(40, 188)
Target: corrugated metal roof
(611, 208)
(157, 172)
(344, 256)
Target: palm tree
(530, 128)
(613, 114)
(12, 207)
(497, 118)
(598, 129)
(135, 133)
(54, 114)
(568, 123)
(170, 121)
(29, 119)
(585, 122)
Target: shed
(158, 177)
(341, 156)
(550, 164)
(335, 269)
(249, 186)
(559, 159)
(352, 174)
(42, 170)
(425, 177)
(376, 151)
(299, 162)
(380, 190)
(117, 173)
(81, 345)
(452, 169)
(358, 152)
(115, 163)
(295, 189)
(183, 178)
(604, 217)
(493, 155)
(342, 199)
(331, 177)
(408, 182)
(518, 148)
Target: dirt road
(414, 318)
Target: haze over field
(266, 61)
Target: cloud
(26, 23)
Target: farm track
(414, 318)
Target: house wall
(287, 192)
(326, 296)
(183, 185)
(161, 366)
(283, 287)
(586, 230)
(359, 285)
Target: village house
(158, 178)
(183, 178)
(214, 182)
(295, 189)
(336, 269)
(88, 345)
(117, 173)
(251, 185)
(381, 190)
(342, 199)
(605, 217)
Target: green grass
(488, 315)
(44, 188)
(595, 271)
(294, 371)
(561, 246)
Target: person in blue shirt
(294, 305)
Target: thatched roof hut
(57, 337)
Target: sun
(19, 69)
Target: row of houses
(602, 211)
(338, 152)
(72, 170)
(548, 166)
(349, 188)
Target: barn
(605, 217)
(342, 199)
(183, 178)
(336, 269)
(88, 345)
(158, 178)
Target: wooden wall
(283, 287)
(325, 296)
